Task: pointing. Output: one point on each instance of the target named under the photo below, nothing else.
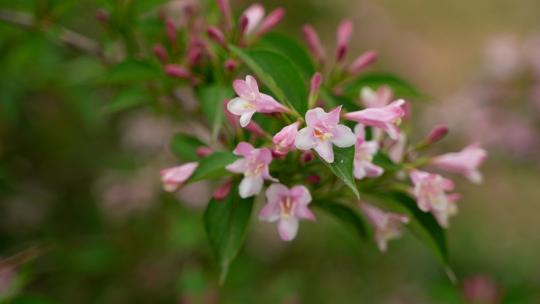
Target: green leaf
(211, 98)
(346, 215)
(226, 222)
(185, 147)
(213, 166)
(333, 100)
(400, 87)
(291, 49)
(279, 74)
(131, 70)
(382, 160)
(127, 99)
(342, 167)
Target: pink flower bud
(344, 33)
(170, 31)
(173, 178)
(160, 52)
(225, 9)
(481, 289)
(314, 43)
(271, 21)
(177, 71)
(204, 151)
(230, 65)
(436, 134)
(314, 179)
(223, 190)
(315, 83)
(243, 24)
(465, 162)
(102, 15)
(284, 139)
(253, 14)
(195, 52)
(362, 61)
(306, 157)
(217, 35)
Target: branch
(67, 36)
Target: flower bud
(314, 179)
(177, 71)
(343, 35)
(204, 151)
(230, 65)
(314, 89)
(223, 190)
(160, 52)
(436, 134)
(217, 35)
(225, 9)
(314, 43)
(102, 15)
(271, 21)
(170, 31)
(362, 61)
(306, 157)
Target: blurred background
(83, 218)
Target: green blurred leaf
(342, 167)
(213, 166)
(400, 87)
(211, 98)
(279, 74)
(346, 215)
(382, 160)
(185, 146)
(127, 99)
(131, 71)
(290, 48)
(226, 222)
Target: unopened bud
(313, 42)
(306, 157)
(314, 89)
(436, 134)
(314, 179)
(343, 35)
(217, 35)
(225, 8)
(170, 31)
(271, 21)
(177, 71)
(160, 52)
(204, 151)
(102, 15)
(230, 65)
(362, 61)
(223, 190)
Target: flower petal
(303, 212)
(304, 139)
(315, 117)
(270, 212)
(267, 104)
(243, 148)
(238, 166)
(250, 186)
(301, 195)
(288, 228)
(246, 118)
(324, 149)
(239, 106)
(275, 193)
(343, 136)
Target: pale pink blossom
(284, 139)
(363, 156)
(396, 151)
(173, 178)
(387, 118)
(431, 195)
(323, 130)
(254, 166)
(387, 225)
(250, 101)
(286, 206)
(465, 162)
(254, 15)
(376, 99)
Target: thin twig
(67, 36)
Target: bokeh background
(83, 219)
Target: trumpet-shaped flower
(465, 162)
(284, 139)
(286, 206)
(323, 130)
(363, 156)
(387, 225)
(173, 178)
(250, 101)
(430, 192)
(254, 166)
(387, 118)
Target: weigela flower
(250, 101)
(284, 139)
(376, 99)
(322, 131)
(430, 192)
(173, 178)
(254, 15)
(387, 118)
(286, 206)
(465, 162)
(363, 156)
(254, 166)
(387, 225)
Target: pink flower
(254, 166)
(362, 61)
(376, 99)
(254, 15)
(387, 118)
(250, 101)
(284, 139)
(286, 206)
(343, 36)
(430, 192)
(387, 225)
(322, 131)
(363, 156)
(465, 162)
(173, 178)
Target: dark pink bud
(306, 157)
(344, 33)
(313, 42)
(204, 151)
(314, 179)
(271, 21)
(230, 65)
(244, 21)
(170, 31)
(362, 61)
(223, 190)
(315, 83)
(436, 134)
(225, 9)
(102, 15)
(217, 35)
(481, 289)
(160, 52)
(177, 71)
